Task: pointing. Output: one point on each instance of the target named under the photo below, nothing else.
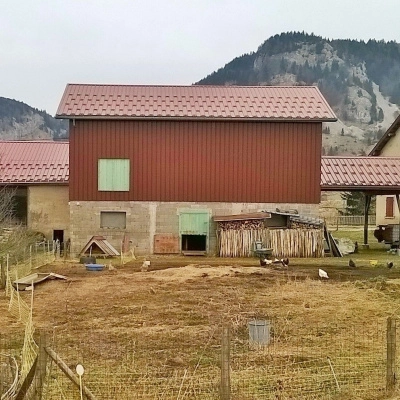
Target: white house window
(113, 219)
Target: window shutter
(389, 207)
(113, 175)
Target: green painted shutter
(194, 222)
(113, 175)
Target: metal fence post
(225, 390)
(391, 354)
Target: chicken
(264, 262)
(145, 266)
(390, 264)
(352, 264)
(322, 274)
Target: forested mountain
(360, 80)
(18, 121)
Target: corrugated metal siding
(200, 161)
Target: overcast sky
(48, 43)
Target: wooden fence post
(40, 375)
(68, 373)
(391, 354)
(225, 390)
(2, 274)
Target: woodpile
(239, 243)
(284, 242)
(241, 225)
(307, 243)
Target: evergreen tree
(355, 202)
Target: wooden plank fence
(350, 220)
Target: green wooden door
(194, 222)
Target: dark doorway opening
(194, 243)
(20, 206)
(58, 235)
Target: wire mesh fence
(319, 362)
(281, 361)
(10, 352)
(15, 266)
(325, 362)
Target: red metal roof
(27, 162)
(195, 102)
(360, 173)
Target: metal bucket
(259, 332)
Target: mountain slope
(18, 121)
(361, 81)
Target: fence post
(391, 354)
(225, 389)
(68, 373)
(40, 375)
(2, 274)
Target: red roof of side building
(33, 162)
(378, 174)
(195, 102)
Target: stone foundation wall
(145, 220)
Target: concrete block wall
(144, 220)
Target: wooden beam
(391, 354)
(40, 375)
(68, 373)
(225, 388)
(27, 382)
(367, 204)
(398, 207)
(2, 273)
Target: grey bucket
(259, 332)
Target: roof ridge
(191, 86)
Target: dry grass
(160, 331)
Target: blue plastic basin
(94, 267)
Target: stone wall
(145, 220)
(48, 209)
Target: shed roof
(391, 132)
(243, 217)
(374, 174)
(194, 102)
(33, 162)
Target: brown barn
(154, 164)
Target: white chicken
(145, 266)
(322, 274)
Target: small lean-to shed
(287, 233)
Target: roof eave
(26, 183)
(391, 132)
(188, 118)
(356, 188)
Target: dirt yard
(175, 290)
(191, 295)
